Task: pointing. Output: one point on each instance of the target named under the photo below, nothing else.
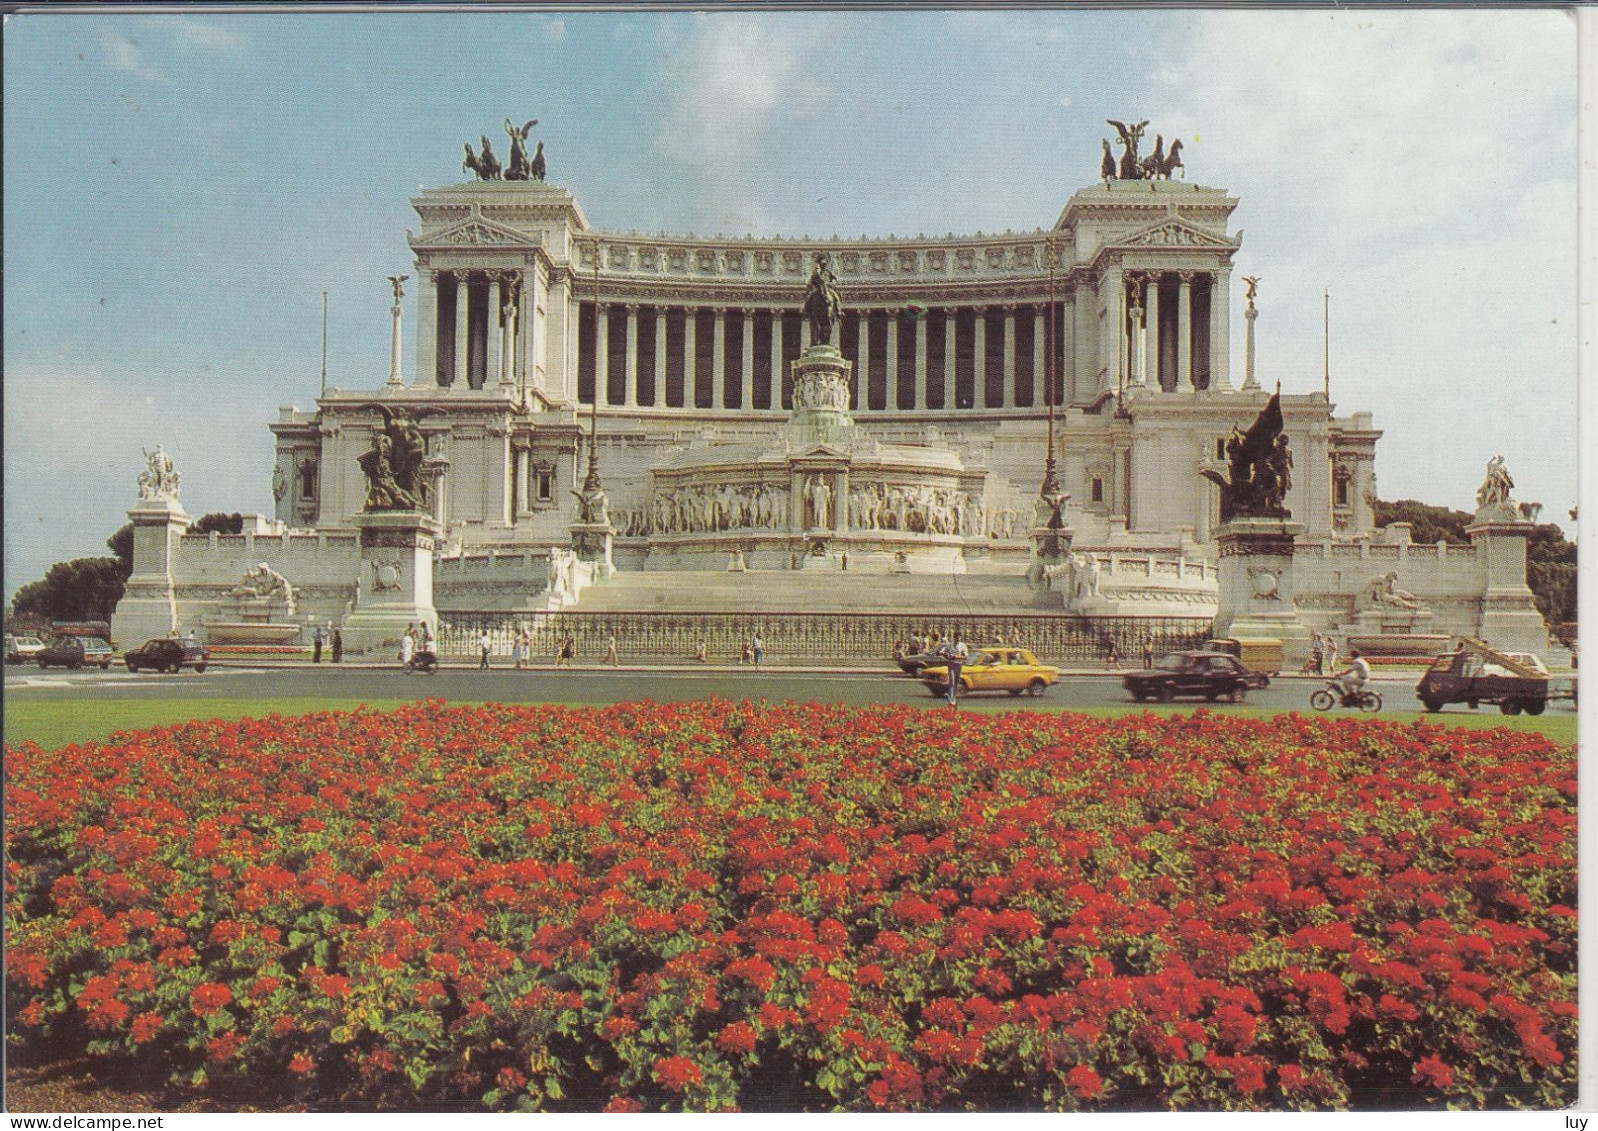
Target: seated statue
(1385, 591)
(263, 583)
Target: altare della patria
(835, 443)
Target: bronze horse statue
(486, 167)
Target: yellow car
(995, 669)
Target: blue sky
(180, 189)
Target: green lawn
(57, 722)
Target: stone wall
(322, 567)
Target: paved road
(604, 686)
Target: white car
(1525, 658)
(22, 649)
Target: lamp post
(1050, 497)
(591, 484)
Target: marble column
(746, 382)
(890, 397)
(1043, 381)
(718, 361)
(950, 331)
(804, 334)
(507, 330)
(1151, 333)
(462, 306)
(396, 378)
(979, 359)
(1184, 333)
(1137, 355)
(690, 357)
(493, 335)
(1220, 331)
(602, 355)
(922, 377)
(1112, 330)
(863, 364)
(661, 314)
(631, 397)
(525, 305)
(1008, 399)
(776, 360)
(1084, 382)
(426, 326)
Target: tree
(219, 521)
(1431, 524)
(121, 544)
(84, 589)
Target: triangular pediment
(822, 451)
(475, 231)
(1172, 232)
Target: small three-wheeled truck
(1475, 673)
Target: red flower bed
(727, 905)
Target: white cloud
(733, 80)
(125, 54)
(205, 36)
(1421, 164)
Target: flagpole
(324, 343)
(1326, 342)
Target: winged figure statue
(519, 169)
(1130, 136)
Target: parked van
(1260, 654)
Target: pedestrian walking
(1148, 651)
(759, 647)
(316, 646)
(1317, 655)
(956, 654)
(1112, 658)
(408, 646)
(702, 653)
(427, 638)
(338, 646)
(519, 649)
(612, 657)
(568, 651)
(483, 646)
(1330, 656)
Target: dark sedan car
(74, 652)
(1206, 675)
(166, 656)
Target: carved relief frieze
(733, 261)
(620, 256)
(937, 259)
(765, 262)
(995, 257)
(965, 258)
(649, 258)
(705, 261)
(849, 262)
(677, 258)
(793, 262)
(878, 261)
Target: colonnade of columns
(958, 377)
(1161, 348)
(481, 328)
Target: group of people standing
(320, 640)
(415, 641)
(1322, 655)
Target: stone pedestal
(396, 580)
(149, 607)
(592, 542)
(821, 394)
(1255, 598)
(1510, 621)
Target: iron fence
(811, 638)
